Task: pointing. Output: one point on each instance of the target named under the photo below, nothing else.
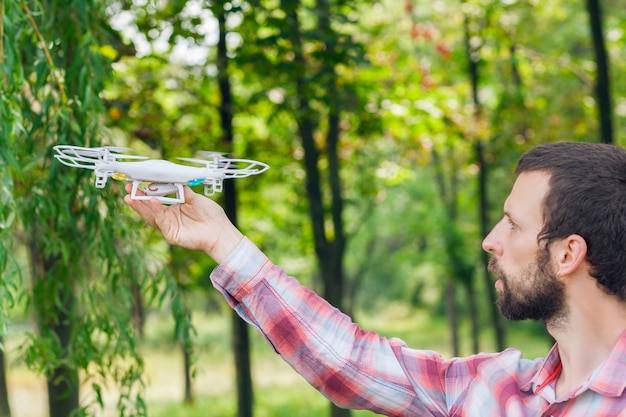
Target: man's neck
(586, 337)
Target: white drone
(163, 178)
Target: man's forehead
(527, 194)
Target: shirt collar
(549, 366)
(607, 380)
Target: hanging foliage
(55, 58)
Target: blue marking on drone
(197, 181)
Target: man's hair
(587, 197)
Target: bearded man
(559, 253)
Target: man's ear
(571, 253)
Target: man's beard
(536, 293)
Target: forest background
(391, 128)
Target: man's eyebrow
(508, 214)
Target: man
(559, 253)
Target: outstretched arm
(198, 224)
(352, 367)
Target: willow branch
(46, 51)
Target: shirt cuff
(240, 272)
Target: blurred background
(392, 129)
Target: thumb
(189, 194)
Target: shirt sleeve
(352, 367)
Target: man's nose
(491, 243)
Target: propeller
(74, 155)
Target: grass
(278, 390)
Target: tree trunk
(186, 348)
(62, 384)
(329, 253)
(240, 330)
(5, 410)
(62, 380)
(494, 314)
(449, 201)
(473, 313)
(241, 349)
(54, 302)
(451, 313)
(603, 88)
(473, 59)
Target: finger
(129, 189)
(189, 194)
(147, 209)
(137, 206)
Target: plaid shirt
(359, 369)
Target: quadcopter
(164, 179)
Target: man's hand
(198, 224)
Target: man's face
(527, 282)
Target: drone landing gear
(160, 191)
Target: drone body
(163, 177)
